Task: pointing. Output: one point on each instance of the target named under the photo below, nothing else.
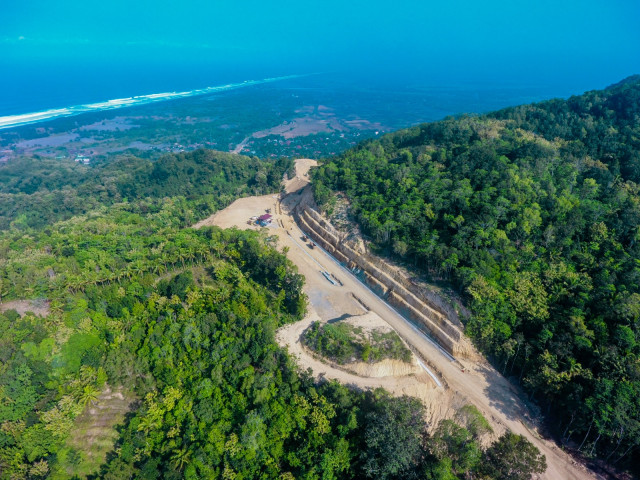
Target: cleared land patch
(468, 381)
(95, 432)
(39, 307)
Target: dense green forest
(181, 323)
(37, 191)
(533, 214)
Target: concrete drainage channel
(409, 322)
(426, 369)
(328, 276)
(430, 324)
(393, 288)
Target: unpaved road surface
(468, 382)
(241, 145)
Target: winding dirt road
(467, 382)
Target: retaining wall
(386, 282)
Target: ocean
(9, 121)
(32, 94)
(32, 87)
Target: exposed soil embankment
(401, 294)
(397, 377)
(381, 369)
(392, 356)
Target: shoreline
(12, 121)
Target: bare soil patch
(39, 307)
(411, 381)
(49, 141)
(110, 125)
(300, 127)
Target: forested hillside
(533, 214)
(38, 191)
(176, 328)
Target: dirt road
(476, 383)
(238, 148)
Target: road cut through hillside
(467, 381)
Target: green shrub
(344, 343)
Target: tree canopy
(533, 214)
(184, 320)
(37, 191)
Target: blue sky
(590, 41)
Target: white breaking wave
(27, 118)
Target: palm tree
(56, 306)
(165, 259)
(146, 424)
(85, 279)
(87, 374)
(157, 267)
(128, 271)
(138, 267)
(73, 282)
(89, 394)
(204, 253)
(182, 256)
(181, 458)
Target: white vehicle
(328, 277)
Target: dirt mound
(367, 325)
(416, 382)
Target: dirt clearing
(411, 381)
(39, 307)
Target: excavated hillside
(446, 383)
(407, 297)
